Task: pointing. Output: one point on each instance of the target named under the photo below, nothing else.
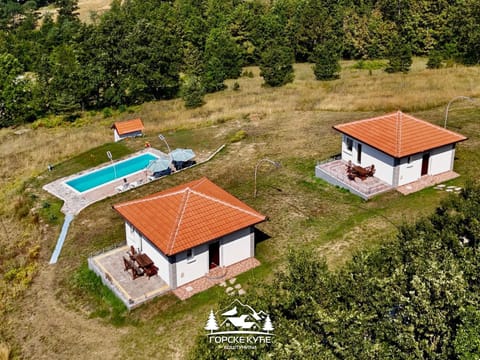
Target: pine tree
(192, 91)
(276, 65)
(326, 59)
(267, 326)
(211, 323)
(434, 60)
(400, 56)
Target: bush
(248, 74)
(369, 65)
(107, 112)
(400, 57)
(239, 135)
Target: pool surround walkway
(75, 201)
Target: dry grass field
(49, 311)
(86, 8)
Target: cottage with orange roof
(128, 128)
(401, 148)
(190, 229)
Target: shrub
(239, 135)
(326, 59)
(107, 112)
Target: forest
(145, 50)
(414, 297)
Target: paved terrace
(335, 173)
(109, 266)
(215, 276)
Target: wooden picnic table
(362, 172)
(143, 260)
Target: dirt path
(45, 329)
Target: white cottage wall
(441, 159)
(191, 269)
(409, 172)
(236, 247)
(116, 137)
(135, 239)
(384, 163)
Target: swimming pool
(104, 175)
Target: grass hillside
(60, 311)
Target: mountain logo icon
(239, 318)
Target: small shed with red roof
(401, 147)
(189, 229)
(127, 128)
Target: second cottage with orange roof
(190, 229)
(401, 148)
(127, 128)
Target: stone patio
(334, 172)
(215, 276)
(109, 266)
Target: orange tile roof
(399, 134)
(188, 215)
(128, 126)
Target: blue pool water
(102, 176)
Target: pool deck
(74, 202)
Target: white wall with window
(409, 169)
(368, 156)
(190, 265)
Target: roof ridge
(225, 203)
(124, 121)
(370, 119)
(176, 228)
(399, 132)
(156, 197)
